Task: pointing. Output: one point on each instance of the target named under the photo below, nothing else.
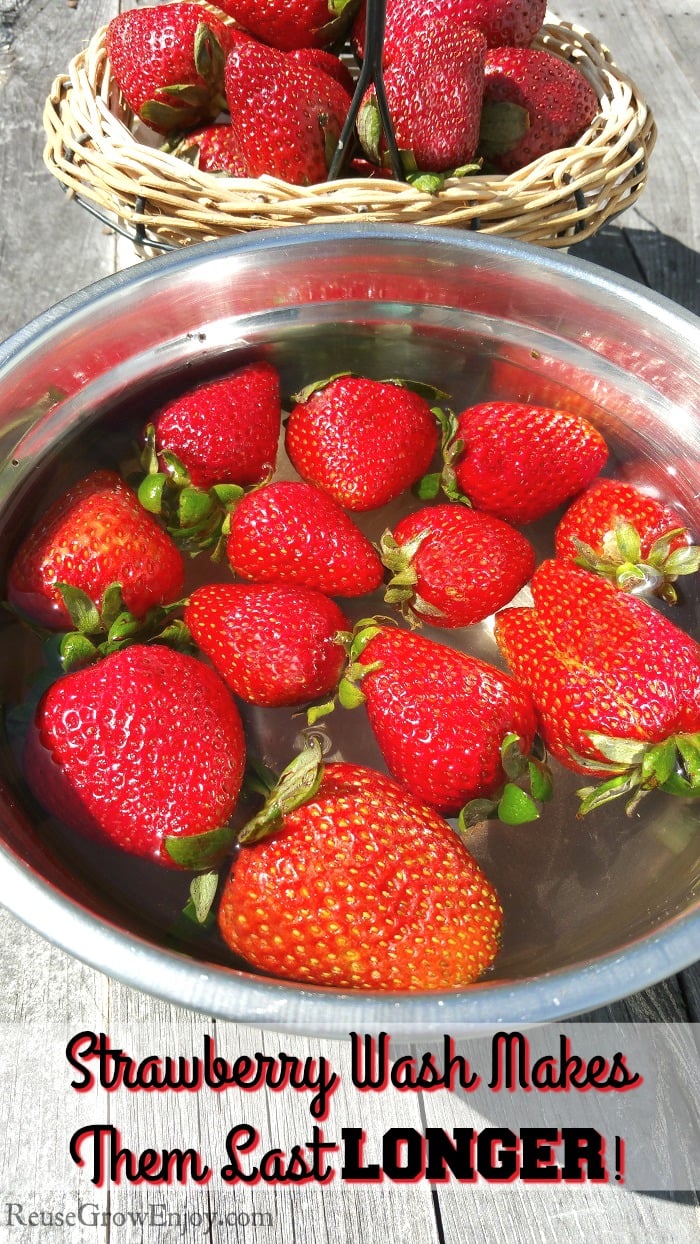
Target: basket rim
(91, 148)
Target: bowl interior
(478, 320)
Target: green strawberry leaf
(628, 542)
(151, 492)
(304, 394)
(683, 561)
(194, 506)
(112, 605)
(428, 183)
(627, 752)
(349, 694)
(541, 785)
(76, 650)
(428, 488)
(593, 797)
(659, 763)
(202, 894)
(297, 784)
(258, 779)
(317, 711)
(689, 747)
(228, 494)
(503, 125)
(515, 807)
(84, 614)
(199, 851)
(474, 812)
(209, 59)
(515, 764)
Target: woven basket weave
(161, 201)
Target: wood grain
(48, 248)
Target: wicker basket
(160, 201)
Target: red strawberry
(94, 535)
(534, 102)
(363, 441)
(520, 462)
(453, 566)
(140, 747)
(616, 685)
(289, 532)
(287, 119)
(634, 540)
(319, 58)
(434, 89)
(169, 63)
(272, 643)
(213, 149)
(513, 22)
(440, 717)
(294, 24)
(361, 887)
(225, 431)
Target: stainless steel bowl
(594, 910)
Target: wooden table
(50, 248)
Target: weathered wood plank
(48, 247)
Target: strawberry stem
(672, 766)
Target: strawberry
(519, 462)
(169, 63)
(361, 886)
(534, 102)
(453, 566)
(434, 88)
(213, 149)
(225, 431)
(294, 23)
(272, 643)
(290, 532)
(139, 750)
(502, 22)
(287, 118)
(320, 58)
(450, 727)
(616, 685)
(634, 540)
(94, 535)
(363, 441)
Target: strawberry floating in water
(143, 750)
(453, 566)
(516, 461)
(363, 441)
(291, 532)
(95, 536)
(272, 643)
(346, 879)
(456, 731)
(634, 540)
(616, 685)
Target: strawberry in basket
(169, 63)
(293, 24)
(286, 117)
(434, 87)
(511, 23)
(534, 102)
